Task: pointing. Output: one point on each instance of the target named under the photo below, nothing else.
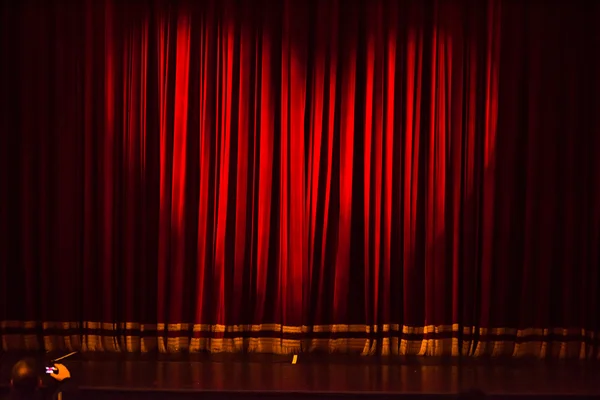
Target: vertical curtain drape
(384, 177)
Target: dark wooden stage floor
(225, 376)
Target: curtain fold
(383, 177)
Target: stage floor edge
(253, 376)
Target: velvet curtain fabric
(384, 177)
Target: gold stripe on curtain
(387, 339)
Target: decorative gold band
(275, 338)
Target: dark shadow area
(102, 375)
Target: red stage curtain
(395, 177)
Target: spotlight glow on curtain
(394, 177)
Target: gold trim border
(171, 338)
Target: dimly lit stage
(257, 376)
